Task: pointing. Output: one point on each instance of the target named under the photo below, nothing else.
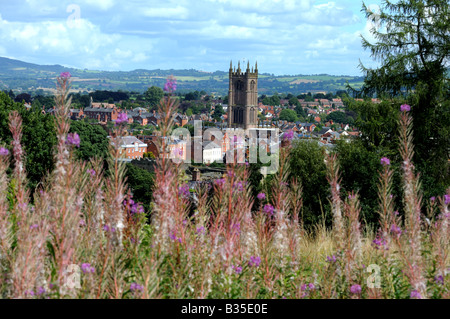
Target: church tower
(243, 97)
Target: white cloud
(101, 4)
(178, 12)
(266, 6)
(329, 14)
(281, 34)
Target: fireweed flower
(73, 139)
(405, 108)
(237, 269)
(261, 196)
(136, 209)
(34, 226)
(439, 280)
(396, 230)
(236, 227)
(268, 209)
(254, 261)
(175, 238)
(239, 187)
(220, 182)
(288, 136)
(331, 259)
(87, 268)
(136, 287)
(355, 289)
(385, 161)
(183, 191)
(3, 151)
(379, 243)
(91, 171)
(171, 85)
(65, 75)
(446, 199)
(415, 295)
(122, 118)
(200, 230)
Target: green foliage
(340, 117)
(93, 140)
(273, 100)
(288, 115)
(38, 138)
(301, 113)
(308, 166)
(153, 95)
(218, 112)
(359, 169)
(413, 46)
(192, 96)
(141, 183)
(293, 101)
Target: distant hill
(22, 76)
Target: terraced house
(102, 112)
(131, 147)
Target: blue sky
(284, 36)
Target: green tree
(413, 47)
(218, 112)
(294, 101)
(153, 95)
(308, 166)
(93, 140)
(38, 140)
(301, 113)
(288, 115)
(338, 117)
(141, 183)
(359, 169)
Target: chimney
(196, 175)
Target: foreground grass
(83, 236)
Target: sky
(285, 37)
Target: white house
(211, 152)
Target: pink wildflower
(73, 139)
(3, 151)
(65, 75)
(255, 261)
(385, 161)
(122, 118)
(355, 289)
(405, 108)
(171, 85)
(268, 209)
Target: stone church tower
(243, 97)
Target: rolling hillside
(22, 76)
